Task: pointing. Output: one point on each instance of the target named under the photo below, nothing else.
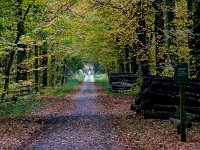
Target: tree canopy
(43, 41)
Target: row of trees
(35, 45)
(149, 35)
(42, 40)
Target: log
(146, 106)
(159, 98)
(167, 99)
(157, 115)
(121, 88)
(137, 108)
(193, 110)
(157, 85)
(195, 119)
(168, 108)
(126, 77)
(159, 78)
(172, 108)
(167, 83)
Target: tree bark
(170, 30)
(21, 69)
(127, 49)
(44, 64)
(63, 78)
(52, 76)
(195, 52)
(36, 69)
(141, 33)
(159, 37)
(20, 32)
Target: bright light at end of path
(89, 78)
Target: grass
(136, 88)
(24, 105)
(71, 84)
(103, 81)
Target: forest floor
(89, 119)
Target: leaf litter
(97, 122)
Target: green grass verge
(103, 81)
(136, 88)
(24, 105)
(28, 103)
(62, 90)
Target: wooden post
(181, 77)
(182, 112)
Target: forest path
(86, 125)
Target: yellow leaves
(3, 53)
(17, 87)
(183, 52)
(27, 40)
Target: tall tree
(159, 37)
(141, 33)
(36, 64)
(170, 29)
(44, 64)
(195, 52)
(21, 17)
(21, 69)
(127, 52)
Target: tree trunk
(21, 68)
(170, 29)
(141, 33)
(20, 32)
(121, 65)
(159, 37)
(63, 73)
(52, 76)
(44, 64)
(169, 14)
(195, 52)
(36, 69)
(127, 49)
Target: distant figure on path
(89, 71)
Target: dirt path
(91, 120)
(83, 128)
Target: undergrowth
(24, 105)
(103, 81)
(68, 87)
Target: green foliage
(102, 80)
(24, 105)
(68, 87)
(77, 32)
(136, 87)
